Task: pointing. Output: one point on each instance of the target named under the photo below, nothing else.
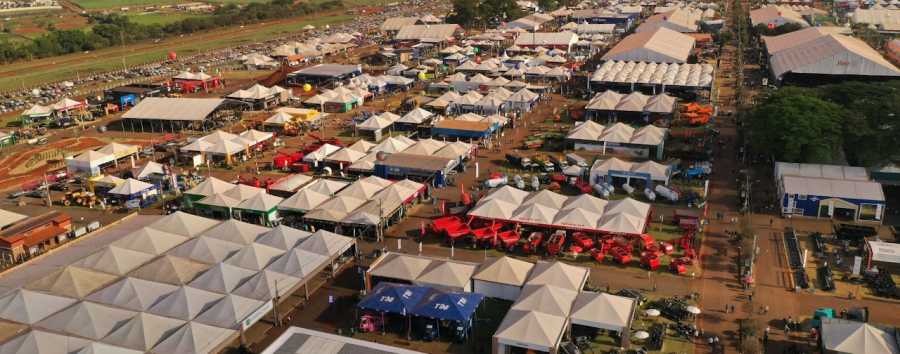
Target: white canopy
(131, 186)
(132, 293)
(236, 231)
(88, 320)
(222, 278)
(531, 329)
(602, 310)
(228, 312)
(114, 260)
(858, 338)
(504, 270)
(206, 249)
(185, 303)
(184, 224)
(144, 331)
(193, 338)
(885, 252)
(210, 186)
(29, 307)
(149, 241)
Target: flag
(132, 162)
(398, 245)
(444, 206)
(476, 170)
(423, 227)
(452, 250)
(420, 248)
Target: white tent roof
(660, 45)
(494, 209)
(74, 282)
(549, 299)
(225, 147)
(508, 194)
(228, 312)
(262, 202)
(132, 293)
(206, 249)
(504, 270)
(535, 214)
(346, 155)
(184, 224)
(219, 200)
(362, 145)
(210, 186)
(399, 266)
(327, 186)
(587, 203)
(621, 224)
(88, 320)
(546, 198)
(147, 169)
(820, 52)
(114, 260)
(144, 331)
(29, 307)
(262, 285)
(577, 219)
(236, 231)
(447, 273)
(193, 338)
(532, 329)
(885, 252)
(298, 263)
(824, 187)
(254, 256)
(304, 200)
(103, 348)
(416, 116)
(391, 145)
(197, 146)
(149, 241)
(558, 274)
(41, 342)
(222, 278)
(185, 303)
(858, 338)
(171, 270)
(242, 192)
(283, 237)
(324, 243)
(602, 310)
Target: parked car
(17, 194)
(37, 193)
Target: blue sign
(359, 270)
(330, 299)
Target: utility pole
(275, 302)
(380, 220)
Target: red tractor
(533, 242)
(582, 240)
(555, 243)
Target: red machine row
(621, 248)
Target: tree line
(852, 121)
(114, 30)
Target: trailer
(685, 214)
(533, 243)
(555, 243)
(456, 232)
(506, 240)
(582, 240)
(688, 225)
(650, 260)
(478, 236)
(533, 144)
(597, 254)
(620, 255)
(559, 162)
(437, 225)
(575, 160)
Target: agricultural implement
(582, 240)
(456, 232)
(438, 225)
(555, 243)
(533, 242)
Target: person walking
(648, 274)
(786, 329)
(710, 340)
(716, 342)
(726, 308)
(732, 308)
(767, 310)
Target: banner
(830, 208)
(398, 245)
(476, 170)
(857, 264)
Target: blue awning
(393, 298)
(448, 305)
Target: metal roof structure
(677, 20)
(302, 340)
(187, 109)
(823, 187)
(821, 171)
(427, 32)
(627, 72)
(659, 45)
(813, 51)
(778, 15)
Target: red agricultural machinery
(685, 214)
(478, 236)
(533, 243)
(650, 260)
(679, 265)
(555, 243)
(688, 224)
(438, 225)
(582, 240)
(506, 240)
(283, 160)
(456, 232)
(687, 240)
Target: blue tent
(393, 298)
(448, 305)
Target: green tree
(798, 129)
(548, 5)
(723, 37)
(873, 130)
(465, 13)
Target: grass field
(141, 54)
(159, 18)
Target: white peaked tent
(222, 278)
(549, 299)
(132, 293)
(103, 348)
(448, 275)
(206, 249)
(576, 219)
(144, 331)
(362, 145)
(531, 329)
(88, 320)
(325, 243)
(628, 206)
(298, 263)
(41, 342)
(345, 155)
(587, 203)
(858, 338)
(501, 277)
(400, 266)
(283, 237)
(193, 338)
(391, 145)
(131, 186)
(184, 224)
(210, 186)
(303, 201)
(535, 214)
(236, 231)
(621, 223)
(74, 282)
(185, 303)
(228, 312)
(327, 187)
(546, 198)
(416, 116)
(198, 146)
(261, 202)
(494, 209)
(149, 241)
(254, 256)
(558, 274)
(262, 285)
(321, 153)
(602, 310)
(508, 194)
(114, 260)
(243, 192)
(219, 200)
(29, 307)
(147, 169)
(171, 270)
(656, 171)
